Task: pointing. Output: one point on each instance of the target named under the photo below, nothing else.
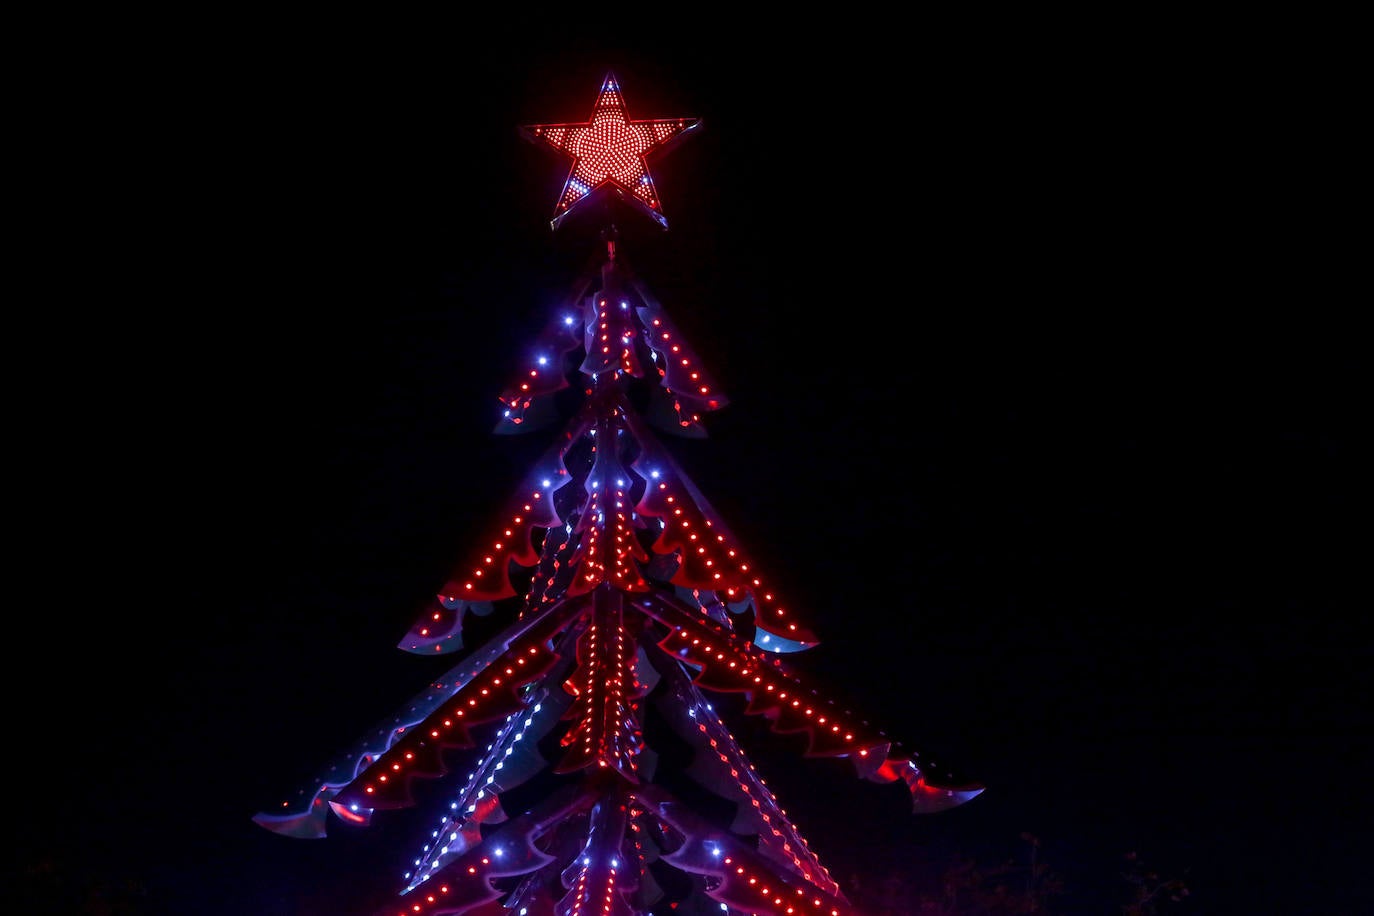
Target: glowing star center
(610, 148)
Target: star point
(609, 153)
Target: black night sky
(1041, 413)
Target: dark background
(1044, 394)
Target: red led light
(609, 152)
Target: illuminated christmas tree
(614, 603)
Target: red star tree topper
(609, 152)
(620, 602)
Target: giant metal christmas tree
(628, 603)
